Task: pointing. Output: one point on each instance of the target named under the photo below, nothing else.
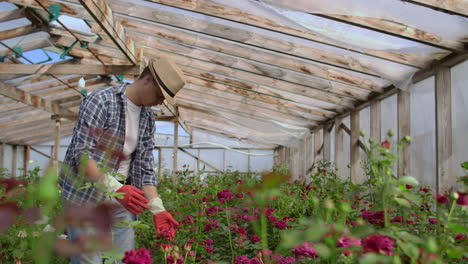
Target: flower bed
(248, 219)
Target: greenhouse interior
(245, 132)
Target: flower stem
(229, 233)
(452, 208)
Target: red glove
(133, 199)
(165, 224)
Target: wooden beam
(13, 161)
(35, 101)
(11, 14)
(444, 140)
(34, 41)
(27, 157)
(348, 131)
(398, 29)
(339, 148)
(212, 8)
(28, 128)
(259, 97)
(219, 58)
(376, 120)
(21, 31)
(2, 155)
(202, 91)
(42, 136)
(65, 69)
(339, 100)
(327, 143)
(457, 7)
(106, 51)
(212, 103)
(56, 118)
(404, 129)
(316, 106)
(41, 130)
(174, 151)
(283, 60)
(103, 15)
(58, 31)
(356, 176)
(317, 146)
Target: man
(118, 120)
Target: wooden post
(327, 142)
(198, 160)
(27, 157)
(404, 129)
(2, 151)
(224, 160)
(376, 121)
(443, 100)
(317, 146)
(176, 143)
(160, 175)
(355, 155)
(248, 162)
(55, 163)
(339, 147)
(13, 161)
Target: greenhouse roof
(264, 71)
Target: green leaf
(455, 252)
(407, 237)
(408, 180)
(402, 202)
(413, 198)
(409, 249)
(465, 165)
(315, 234)
(374, 258)
(142, 226)
(322, 250)
(458, 228)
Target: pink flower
(194, 191)
(171, 259)
(208, 241)
(213, 210)
(180, 191)
(378, 244)
(347, 242)
(225, 195)
(139, 256)
(433, 221)
(166, 247)
(385, 144)
(441, 199)
(376, 218)
(425, 190)
(460, 237)
(210, 224)
(240, 195)
(305, 250)
(269, 211)
(241, 260)
(241, 231)
(409, 187)
(286, 260)
(209, 248)
(462, 199)
(255, 239)
(397, 219)
(281, 224)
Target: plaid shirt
(100, 131)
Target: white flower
(43, 220)
(48, 228)
(63, 236)
(22, 234)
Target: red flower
(442, 199)
(241, 231)
(385, 144)
(462, 199)
(397, 219)
(409, 187)
(225, 195)
(347, 242)
(240, 195)
(460, 237)
(281, 224)
(378, 244)
(433, 221)
(305, 250)
(194, 191)
(255, 239)
(209, 248)
(166, 247)
(139, 256)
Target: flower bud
(454, 195)
(407, 139)
(362, 133)
(391, 133)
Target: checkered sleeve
(90, 126)
(147, 159)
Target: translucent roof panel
(73, 23)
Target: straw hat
(168, 76)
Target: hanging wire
(225, 147)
